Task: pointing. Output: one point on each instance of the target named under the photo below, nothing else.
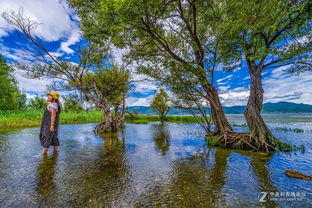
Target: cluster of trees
(71, 103)
(11, 98)
(180, 44)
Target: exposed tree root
(245, 141)
(102, 127)
(105, 127)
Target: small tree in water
(160, 104)
(105, 86)
(110, 86)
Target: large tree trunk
(218, 116)
(255, 122)
(260, 137)
(221, 123)
(111, 123)
(107, 124)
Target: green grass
(289, 129)
(32, 118)
(297, 130)
(139, 121)
(211, 141)
(170, 118)
(239, 125)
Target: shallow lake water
(152, 165)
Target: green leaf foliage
(73, 103)
(265, 33)
(160, 104)
(9, 93)
(37, 103)
(110, 84)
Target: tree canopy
(267, 33)
(95, 75)
(10, 96)
(160, 104)
(168, 40)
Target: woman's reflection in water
(45, 175)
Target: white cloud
(224, 79)
(30, 95)
(223, 88)
(52, 15)
(143, 86)
(57, 21)
(118, 54)
(14, 53)
(74, 38)
(286, 87)
(35, 86)
(236, 96)
(56, 54)
(31, 87)
(279, 86)
(142, 82)
(135, 101)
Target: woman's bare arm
(53, 112)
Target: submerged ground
(153, 165)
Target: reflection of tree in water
(45, 176)
(161, 137)
(193, 183)
(196, 182)
(101, 179)
(259, 165)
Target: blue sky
(59, 31)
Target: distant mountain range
(280, 107)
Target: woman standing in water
(50, 122)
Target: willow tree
(266, 34)
(106, 87)
(168, 39)
(160, 104)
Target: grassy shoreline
(32, 118)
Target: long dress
(46, 136)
